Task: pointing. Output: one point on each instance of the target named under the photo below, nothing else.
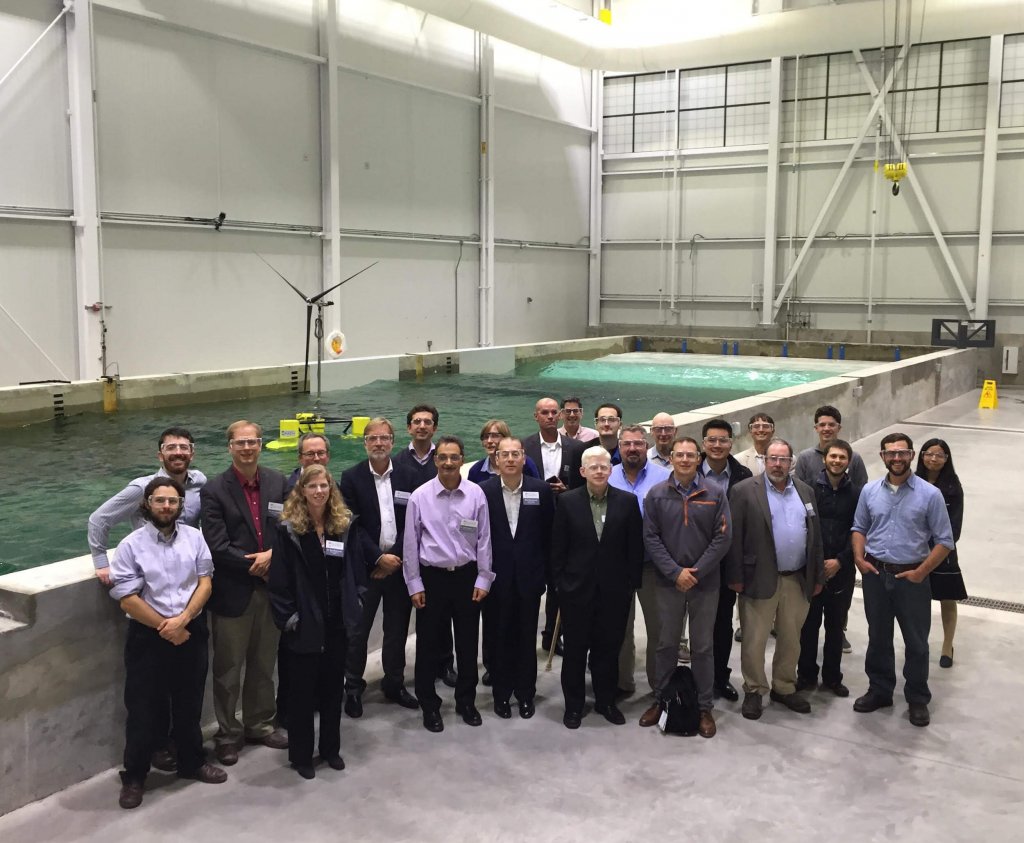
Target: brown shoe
(164, 761)
(208, 774)
(707, 728)
(651, 716)
(227, 753)
(278, 739)
(131, 794)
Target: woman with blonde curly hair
(317, 579)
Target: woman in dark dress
(935, 464)
(317, 578)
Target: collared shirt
(447, 529)
(386, 502)
(789, 525)
(162, 570)
(424, 460)
(648, 476)
(899, 526)
(124, 506)
(688, 489)
(751, 459)
(551, 456)
(251, 490)
(513, 499)
(584, 434)
(654, 456)
(599, 509)
(713, 478)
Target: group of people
(294, 570)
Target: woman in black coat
(935, 464)
(317, 578)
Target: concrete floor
(832, 774)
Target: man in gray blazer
(776, 565)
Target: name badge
(333, 548)
(468, 526)
(276, 508)
(603, 517)
(401, 498)
(531, 498)
(810, 508)
(663, 720)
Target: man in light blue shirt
(901, 532)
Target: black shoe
(611, 713)
(919, 714)
(486, 678)
(738, 635)
(837, 688)
(305, 770)
(527, 709)
(432, 721)
(164, 760)
(335, 762)
(946, 661)
(727, 692)
(503, 708)
(449, 676)
(469, 714)
(572, 720)
(752, 706)
(871, 702)
(131, 794)
(403, 698)
(806, 684)
(354, 705)
(794, 702)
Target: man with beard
(608, 418)
(663, 429)
(901, 532)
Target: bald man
(663, 429)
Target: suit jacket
(572, 458)
(751, 559)
(229, 532)
(359, 490)
(520, 562)
(586, 568)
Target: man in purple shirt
(447, 568)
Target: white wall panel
(636, 207)
(1009, 211)
(722, 204)
(540, 85)
(557, 284)
(34, 159)
(541, 180)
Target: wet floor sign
(989, 399)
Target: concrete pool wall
(62, 637)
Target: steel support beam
(486, 285)
(330, 158)
(986, 214)
(596, 194)
(771, 201)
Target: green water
(54, 474)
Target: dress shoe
(305, 770)
(164, 761)
(278, 739)
(449, 676)
(803, 684)
(707, 727)
(837, 688)
(335, 762)
(651, 716)
(503, 709)
(946, 661)
(207, 774)
(403, 698)
(354, 705)
(526, 709)
(871, 702)
(131, 794)
(727, 692)
(611, 713)
(470, 715)
(919, 715)
(752, 706)
(226, 753)
(572, 720)
(738, 635)
(432, 721)
(794, 702)
(486, 679)
(684, 654)
(847, 646)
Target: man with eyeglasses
(597, 558)
(572, 415)
(520, 509)
(663, 429)
(421, 422)
(175, 450)
(314, 449)
(447, 570)
(901, 533)
(378, 491)
(719, 468)
(161, 577)
(761, 428)
(828, 422)
(608, 418)
(776, 565)
(637, 475)
(240, 511)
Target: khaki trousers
(786, 609)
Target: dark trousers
(390, 591)
(887, 599)
(597, 627)
(510, 624)
(449, 603)
(722, 635)
(316, 678)
(283, 683)
(158, 672)
(834, 608)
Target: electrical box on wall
(1010, 356)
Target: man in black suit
(378, 490)
(520, 510)
(597, 555)
(559, 459)
(239, 511)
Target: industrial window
(1011, 108)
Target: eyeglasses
(632, 443)
(684, 455)
(176, 448)
(932, 455)
(598, 466)
(162, 500)
(378, 437)
(761, 426)
(316, 455)
(444, 458)
(607, 419)
(664, 428)
(498, 436)
(317, 487)
(900, 454)
(717, 440)
(422, 423)
(246, 443)
(506, 455)
(774, 460)
(570, 412)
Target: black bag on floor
(682, 712)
